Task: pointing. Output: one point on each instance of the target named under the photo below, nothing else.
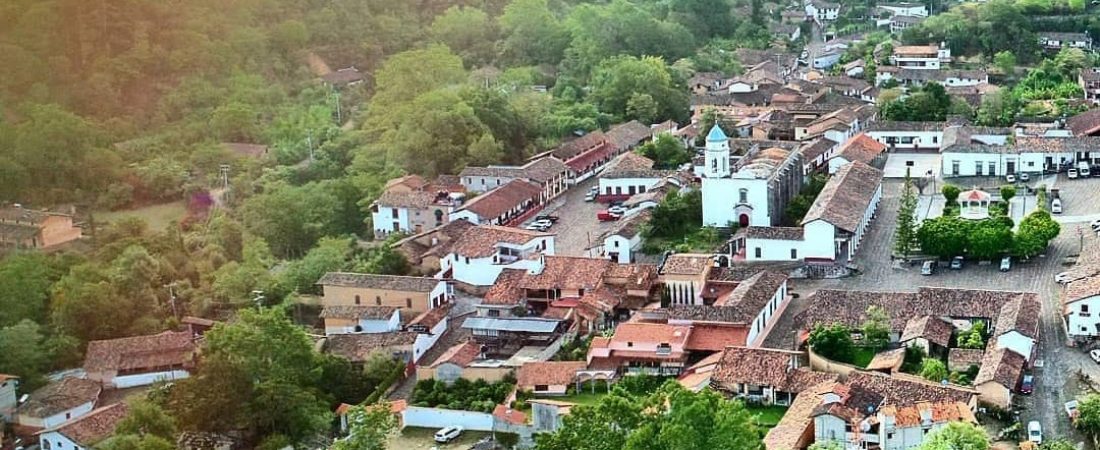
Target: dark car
(553, 219)
(1027, 385)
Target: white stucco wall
(820, 240)
(905, 139)
(145, 379)
(483, 184)
(384, 222)
(773, 250)
(56, 441)
(1016, 342)
(483, 272)
(721, 199)
(621, 186)
(56, 419)
(767, 315)
(425, 341)
(1080, 323)
(622, 246)
(417, 416)
(464, 214)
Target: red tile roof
(170, 348)
(567, 272)
(862, 148)
(89, 429)
(461, 354)
(715, 337)
(548, 373)
(481, 241)
(497, 202)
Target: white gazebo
(974, 204)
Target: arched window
(357, 300)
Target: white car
(1063, 278)
(1095, 225)
(536, 227)
(545, 223)
(1011, 178)
(1035, 432)
(448, 434)
(1056, 206)
(1095, 355)
(617, 210)
(1071, 173)
(1025, 177)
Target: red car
(605, 216)
(1027, 385)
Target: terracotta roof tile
(481, 241)
(89, 429)
(1020, 314)
(547, 372)
(506, 290)
(780, 369)
(789, 432)
(1086, 123)
(499, 201)
(170, 348)
(715, 337)
(888, 360)
(687, 264)
(61, 395)
(357, 312)
(934, 329)
(567, 272)
(1002, 366)
(358, 347)
(862, 148)
(372, 281)
(627, 135)
(846, 197)
(430, 318)
(960, 359)
(461, 354)
(907, 389)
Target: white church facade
(750, 191)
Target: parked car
(1025, 177)
(536, 227)
(805, 54)
(1095, 225)
(1063, 278)
(605, 216)
(1056, 206)
(448, 434)
(1006, 264)
(1083, 169)
(618, 209)
(552, 219)
(545, 223)
(1011, 178)
(590, 196)
(1071, 173)
(957, 263)
(1035, 432)
(1071, 410)
(928, 268)
(1028, 384)
(1095, 355)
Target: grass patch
(157, 216)
(581, 398)
(862, 356)
(767, 416)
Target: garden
(463, 394)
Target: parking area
(577, 228)
(422, 438)
(1056, 379)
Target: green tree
(468, 32)
(832, 341)
(330, 255)
(989, 239)
(973, 338)
(905, 232)
(619, 79)
(666, 152)
(135, 442)
(1006, 62)
(933, 369)
(25, 280)
(532, 33)
(1007, 193)
(369, 428)
(950, 193)
(25, 353)
(945, 237)
(146, 418)
(1058, 444)
(876, 327)
(1088, 414)
(827, 445)
(957, 436)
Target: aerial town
(550, 225)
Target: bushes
(833, 342)
(463, 395)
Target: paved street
(1055, 381)
(577, 226)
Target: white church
(751, 191)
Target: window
(68, 416)
(978, 168)
(629, 344)
(358, 300)
(492, 313)
(954, 167)
(794, 253)
(1085, 309)
(378, 300)
(993, 168)
(616, 244)
(743, 195)
(714, 165)
(541, 388)
(664, 349)
(498, 181)
(408, 303)
(935, 139)
(758, 252)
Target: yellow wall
(340, 295)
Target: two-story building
(927, 57)
(85, 432)
(503, 205)
(548, 172)
(753, 190)
(1089, 80)
(822, 11)
(477, 258)
(410, 295)
(27, 228)
(404, 209)
(908, 136)
(1081, 307)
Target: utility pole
(224, 168)
(339, 116)
(172, 299)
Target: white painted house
(822, 11)
(622, 242)
(9, 388)
(903, 136)
(345, 319)
(927, 57)
(85, 432)
(140, 360)
(1081, 307)
(478, 257)
(905, 9)
(58, 402)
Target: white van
(1056, 206)
(1071, 173)
(1083, 169)
(448, 434)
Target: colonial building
(85, 432)
(411, 205)
(477, 258)
(140, 360)
(387, 293)
(754, 190)
(504, 205)
(548, 172)
(927, 57)
(58, 402)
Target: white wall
(483, 272)
(767, 315)
(384, 222)
(773, 250)
(57, 419)
(621, 245)
(465, 214)
(820, 240)
(145, 379)
(905, 139)
(621, 186)
(1017, 342)
(418, 416)
(483, 184)
(425, 341)
(56, 441)
(721, 198)
(1079, 324)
